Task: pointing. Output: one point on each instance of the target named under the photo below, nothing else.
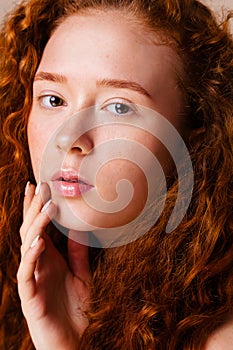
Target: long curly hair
(165, 290)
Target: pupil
(55, 101)
(121, 108)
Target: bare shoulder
(222, 338)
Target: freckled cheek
(38, 138)
(110, 175)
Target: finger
(42, 195)
(38, 226)
(25, 275)
(29, 194)
(79, 255)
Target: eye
(119, 108)
(51, 101)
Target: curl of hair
(163, 291)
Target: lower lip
(71, 189)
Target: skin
(72, 52)
(83, 66)
(55, 319)
(222, 338)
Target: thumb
(78, 255)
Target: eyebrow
(115, 83)
(54, 77)
(123, 84)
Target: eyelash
(130, 107)
(41, 98)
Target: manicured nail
(38, 188)
(27, 188)
(45, 207)
(35, 241)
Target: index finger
(29, 194)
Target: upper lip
(69, 175)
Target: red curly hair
(163, 291)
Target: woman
(164, 290)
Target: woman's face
(100, 65)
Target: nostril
(63, 142)
(77, 148)
(83, 145)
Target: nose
(83, 145)
(70, 138)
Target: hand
(52, 294)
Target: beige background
(6, 5)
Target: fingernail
(38, 188)
(35, 241)
(27, 188)
(45, 207)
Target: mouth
(69, 184)
(71, 180)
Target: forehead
(113, 36)
(116, 21)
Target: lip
(68, 183)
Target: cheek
(38, 138)
(109, 180)
(78, 213)
(129, 198)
